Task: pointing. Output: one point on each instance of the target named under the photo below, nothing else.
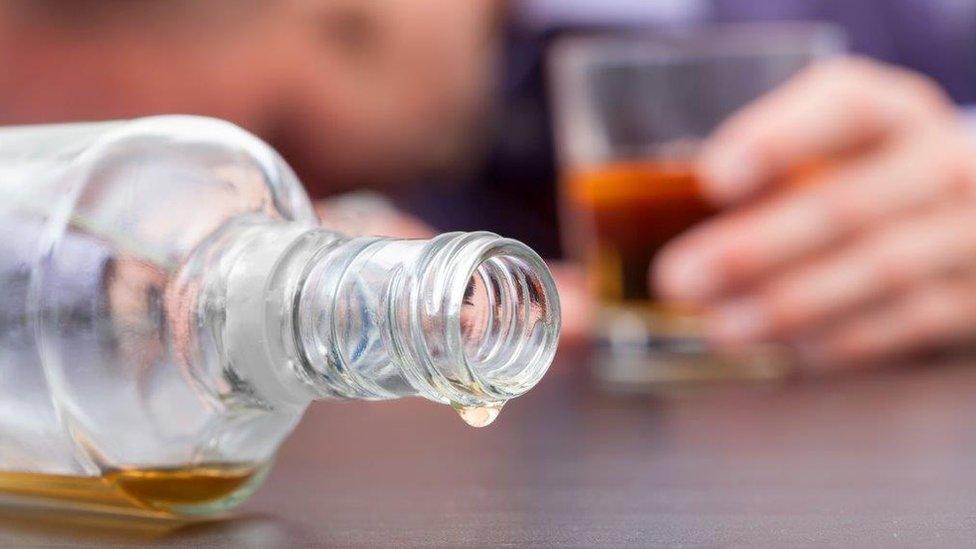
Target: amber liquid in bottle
(161, 492)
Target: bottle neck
(466, 319)
(469, 319)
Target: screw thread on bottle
(469, 319)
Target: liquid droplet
(478, 416)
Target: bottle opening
(467, 319)
(508, 320)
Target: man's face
(388, 88)
(353, 91)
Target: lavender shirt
(937, 37)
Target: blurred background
(443, 109)
(440, 104)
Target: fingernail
(737, 322)
(688, 276)
(729, 173)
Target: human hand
(575, 302)
(365, 213)
(874, 256)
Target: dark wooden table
(880, 459)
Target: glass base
(654, 370)
(644, 348)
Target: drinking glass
(630, 113)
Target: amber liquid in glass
(620, 216)
(627, 212)
(160, 492)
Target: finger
(938, 315)
(735, 249)
(909, 252)
(575, 302)
(365, 213)
(828, 109)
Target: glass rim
(623, 46)
(573, 61)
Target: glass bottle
(170, 309)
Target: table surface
(874, 459)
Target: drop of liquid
(479, 416)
